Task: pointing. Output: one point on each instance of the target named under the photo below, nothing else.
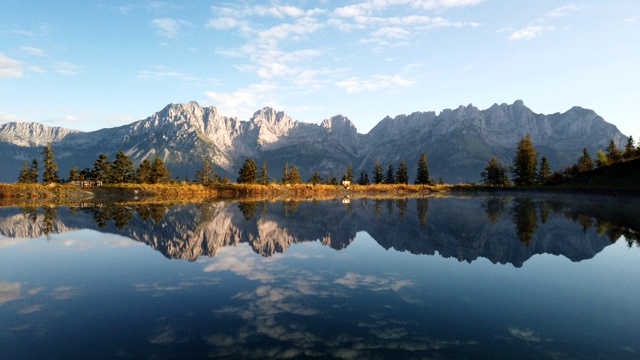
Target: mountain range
(459, 142)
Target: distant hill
(459, 142)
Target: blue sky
(92, 64)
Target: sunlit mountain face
(452, 277)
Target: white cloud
(376, 82)
(161, 73)
(6, 117)
(243, 102)
(37, 69)
(444, 4)
(392, 33)
(33, 51)
(565, 10)
(170, 28)
(530, 32)
(369, 7)
(630, 20)
(10, 68)
(65, 68)
(126, 9)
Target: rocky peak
(271, 125)
(32, 134)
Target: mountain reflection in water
(500, 229)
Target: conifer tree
(364, 178)
(613, 153)
(630, 148)
(206, 175)
(102, 168)
(422, 176)
(544, 172)
(74, 174)
(263, 178)
(601, 159)
(315, 179)
(391, 177)
(159, 172)
(34, 171)
(585, 163)
(143, 174)
(121, 169)
(248, 172)
(402, 175)
(525, 163)
(285, 173)
(440, 180)
(495, 174)
(25, 176)
(348, 174)
(50, 174)
(294, 175)
(378, 176)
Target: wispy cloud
(530, 32)
(10, 68)
(65, 68)
(632, 19)
(170, 28)
(375, 82)
(6, 117)
(33, 51)
(565, 10)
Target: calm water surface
(481, 277)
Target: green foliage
(121, 170)
(248, 172)
(525, 163)
(544, 173)
(613, 153)
(378, 176)
(29, 174)
(143, 174)
(315, 179)
(50, 174)
(263, 178)
(390, 178)
(585, 163)
(75, 174)
(102, 169)
(159, 172)
(601, 159)
(495, 173)
(422, 176)
(402, 175)
(206, 175)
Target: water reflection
(501, 229)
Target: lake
(486, 276)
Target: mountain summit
(459, 142)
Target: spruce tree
(159, 172)
(34, 171)
(50, 174)
(285, 173)
(391, 177)
(585, 163)
(315, 179)
(613, 153)
(102, 169)
(294, 175)
(23, 177)
(143, 174)
(525, 163)
(121, 169)
(545, 171)
(630, 148)
(422, 176)
(74, 174)
(378, 176)
(206, 176)
(348, 174)
(248, 172)
(364, 178)
(264, 174)
(402, 175)
(495, 174)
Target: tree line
(526, 171)
(118, 171)
(249, 174)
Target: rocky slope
(458, 142)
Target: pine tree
(248, 172)
(544, 173)
(50, 174)
(315, 179)
(143, 174)
(422, 176)
(364, 178)
(206, 176)
(121, 169)
(264, 174)
(613, 153)
(75, 175)
(34, 171)
(402, 175)
(495, 174)
(285, 173)
(378, 176)
(630, 148)
(159, 172)
(525, 163)
(25, 176)
(294, 175)
(391, 177)
(585, 163)
(348, 174)
(102, 169)
(601, 159)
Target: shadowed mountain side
(502, 230)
